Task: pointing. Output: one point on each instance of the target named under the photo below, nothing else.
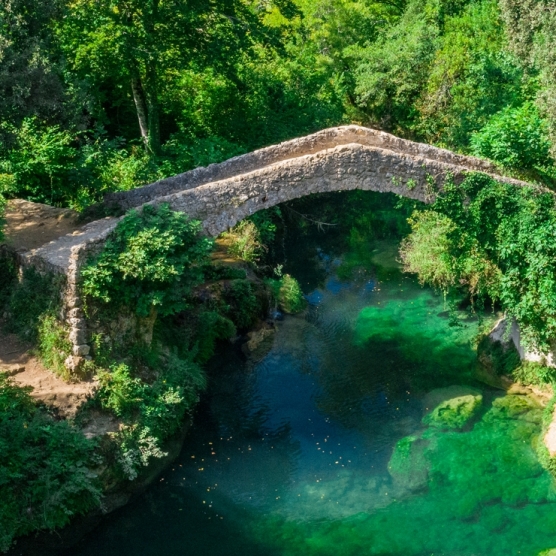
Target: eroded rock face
(550, 436)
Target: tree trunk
(153, 107)
(140, 106)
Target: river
(290, 449)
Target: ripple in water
(289, 454)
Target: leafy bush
(532, 373)
(151, 261)
(425, 251)
(245, 242)
(287, 293)
(290, 295)
(34, 297)
(243, 303)
(151, 410)
(500, 245)
(516, 138)
(211, 326)
(45, 476)
(65, 167)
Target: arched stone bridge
(336, 159)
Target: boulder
(408, 465)
(459, 406)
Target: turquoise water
(292, 448)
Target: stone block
(73, 363)
(81, 350)
(78, 336)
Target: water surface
(290, 448)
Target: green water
(316, 445)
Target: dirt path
(27, 370)
(30, 225)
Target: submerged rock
(514, 407)
(459, 405)
(408, 465)
(439, 395)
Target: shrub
(151, 410)
(151, 261)
(211, 326)
(516, 138)
(243, 303)
(287, 293)
(45, 475)
(54, 345)
(425, 251)
(36, 295)
(245, 242)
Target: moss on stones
(454, 413)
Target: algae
(454, 413)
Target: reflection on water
(290, 453)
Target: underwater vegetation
(481, 491)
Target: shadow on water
(292, 453)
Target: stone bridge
(220, 195)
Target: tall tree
(30, 77)
(531, 28)
(141, 44)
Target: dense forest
(98, 96)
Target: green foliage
(47, 164)
(470, 78)
(532, 373)
(425, 251)
(151, 262)
(500, 246)
(54, 345)
(34, 297)
(516, 138)
(391, 72)
(211, 326)
(287, 293)
(45, 475)
(152, 410)
(244, 307)
(244, 242)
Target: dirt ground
(30, 225)
(26, 370)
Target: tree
(141, 45)
(30, 76)
(531, 29)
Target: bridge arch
(221, 195)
